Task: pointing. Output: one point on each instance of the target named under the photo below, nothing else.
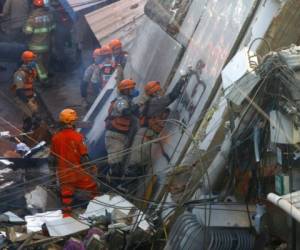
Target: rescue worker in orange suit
(87, 89)
(120, 121)
(70, 152)
(38, 28)
(23, 86)
(119, 56)
(152, 120)
(104, 70)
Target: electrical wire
(31, 181)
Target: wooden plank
(118, 20)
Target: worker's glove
(5, 134)
(22, 147)
(184, 73)
(32, 104)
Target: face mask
(134, 93)
(118, 58)
(31, 65)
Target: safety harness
(119, 124)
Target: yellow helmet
(68, 116)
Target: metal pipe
(284, 205)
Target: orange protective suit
(69, 148)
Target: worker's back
(39, 25)
(68, 147)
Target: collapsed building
(224, 174)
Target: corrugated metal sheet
(118, 20)
(79, 7)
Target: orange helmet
(68, 116)
(126, 84)
(38, 3)
(152, 87)
(115, 44)
(28, 56)
(105, 50)
(96, 52)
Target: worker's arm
(82, 148)
(19, 83)
(83, 88)
(88, 73)
(176, 91)
(95, 76)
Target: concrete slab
(153, 55)
(211, 44)
(191, 21)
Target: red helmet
(115, 44)
(152, 87)
(28, 56)
(96, 52)
(38, 3)
(126, 84)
